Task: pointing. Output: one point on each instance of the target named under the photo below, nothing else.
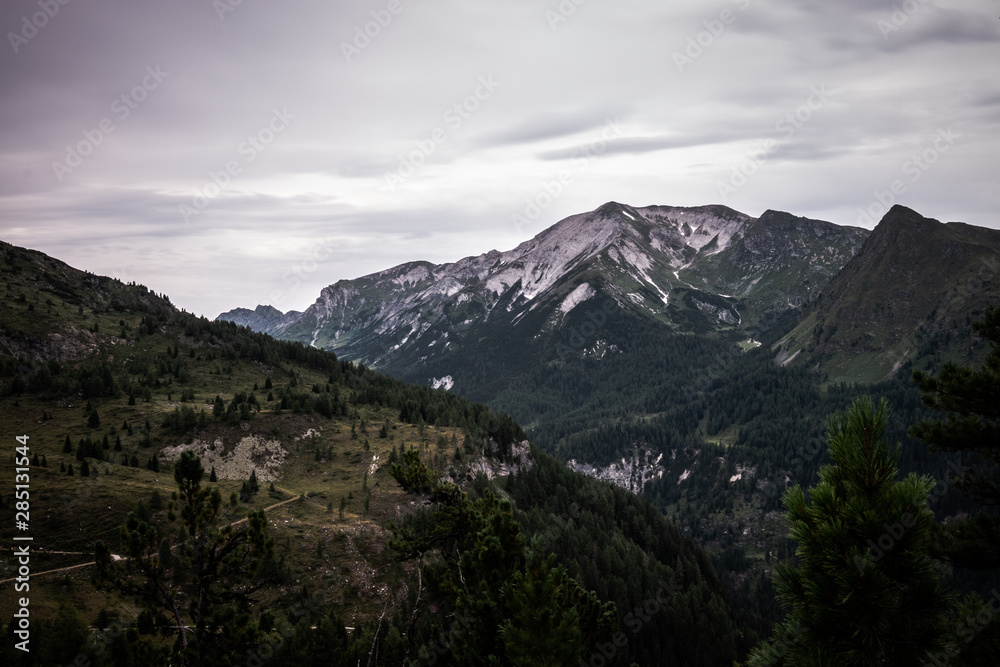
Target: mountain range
(632, 319)
(707, 269)
(858, 303)
(690, 355)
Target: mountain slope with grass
(111, 384)
(914, 287)
(706, 270)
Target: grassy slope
(69, 514)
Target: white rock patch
(252, 453)
(582, 292)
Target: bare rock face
(702, 269)
(252, 453)
(463, 474)
(631, 473)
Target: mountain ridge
(914, 280)
(656, 262)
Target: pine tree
(970, 399)
(94, 420)
(213, 477)
(67, 446)
(84, 468)
(202, 593)
(864, 590)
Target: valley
(621, 403)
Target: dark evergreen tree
(864, 590)
(970, 400)
(204, 593)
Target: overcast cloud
(210, 149)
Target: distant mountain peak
(691, 269)
(912, 281)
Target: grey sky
(452, 128)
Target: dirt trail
(116, 557)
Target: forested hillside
(353, 547)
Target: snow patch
(446, 383)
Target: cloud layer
(208, 148)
